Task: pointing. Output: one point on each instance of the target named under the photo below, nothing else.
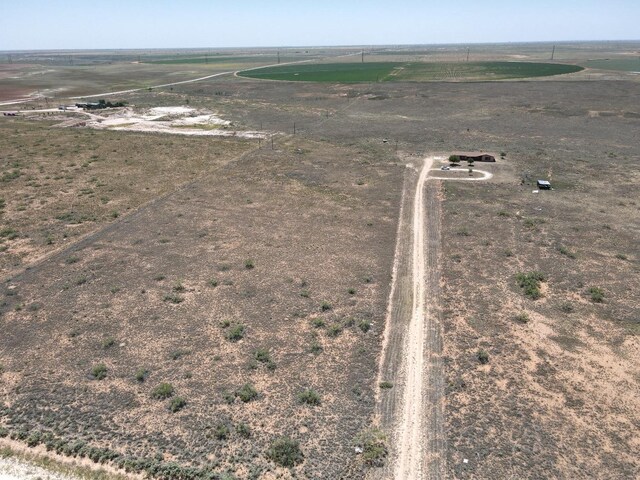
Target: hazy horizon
(198, 24)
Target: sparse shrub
(71, 260)
(162, 391)
(221, 431)
(318, 322)
(325, 306)
(229, 397)
(262, 355)
(1, 369)
(142, 374)
(483, 357)
(243, 430)
(364, 325)
(566, 307)
(386, 385)
(352, 291)
(315, 347)
(285, 452)
(373, 443)
(522, 317)
(530, 282)
(179, 287)
(159, 278)
(503, 213)
(368, 279)
(248, 264)
(533, 222)
(177, 403)
(235, 333)
(173, 298)
(566, 252)
(596, 294)
(225, 323)
(213, 283)
(463, 232)
(508, 253)
(247, 393)
(108, 342)
(334, 330)
(99, 371)
(348, 322)
(304, 293)
(621, 256)
(179, 353)
(309, 397)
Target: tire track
(412, 346)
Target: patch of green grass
(364, 325)
(530, 283)
(619, 64)
(373, 443)
(334, 330)
(173, 298)
(141, 374)
(285, 452)
(99, 372)
(235, 333)
(243, 430)
(596, 294)
(162, 391)
(247, 393)
(309, 397)
(176, 404)
(409, 71)
(483, 356)
(221, 432)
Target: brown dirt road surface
(413, 341)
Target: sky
(112, 24)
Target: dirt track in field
(413, 409)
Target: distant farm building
(475, 157)
(544, 185)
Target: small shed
(544, 185)
(476, 157)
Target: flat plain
(177, 305)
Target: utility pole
(553, 52)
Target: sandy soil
(411, 432)
(176, 120)
(13, 469)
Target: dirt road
(413, 409)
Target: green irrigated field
(618, 64)
(412, 72)
(204, 59)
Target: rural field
(266, 274)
